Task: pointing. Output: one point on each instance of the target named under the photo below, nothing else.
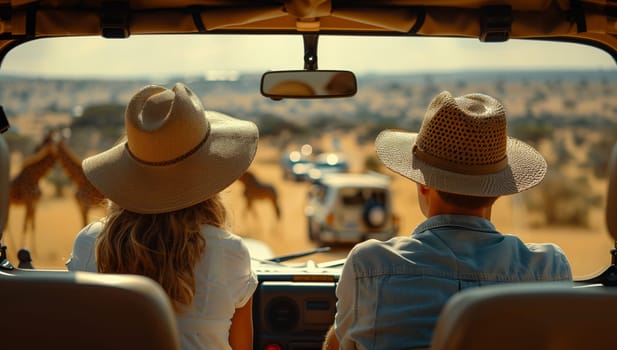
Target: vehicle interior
(325, 73)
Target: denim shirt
(390, 293)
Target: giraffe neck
(37, 167)
(71, 163)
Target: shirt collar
(474, 223)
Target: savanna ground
(57, 219)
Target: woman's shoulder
(223, 245)
(82, 256)
(210, 231)
(90, 231)
(220, 236)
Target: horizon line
(237, 73)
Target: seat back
(528, 316)
(80, 310)
(5, 180)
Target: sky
(160, 56)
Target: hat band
(459, 168)
(171, 161)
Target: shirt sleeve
(346, 304)
(245, 281)
(566, 270)
(83, 255)
(552, 261)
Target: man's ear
(423, 198)
(423, 189)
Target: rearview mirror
(308, 84)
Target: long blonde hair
(165, 247)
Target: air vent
(282, 314)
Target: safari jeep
(350, 208)
(326, 73)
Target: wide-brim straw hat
(175, 155)
(462, 147)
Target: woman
(166, 220)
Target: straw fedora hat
(462, 147)
(175, 154)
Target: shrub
(563, 200)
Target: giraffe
(86, 194)
(255, 190)
(24, 187)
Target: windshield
(559, 98)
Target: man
(390, 293)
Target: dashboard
(294, 306)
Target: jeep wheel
(374, 215)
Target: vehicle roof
(587, 20)
(341, 180)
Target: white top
(224, 282)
